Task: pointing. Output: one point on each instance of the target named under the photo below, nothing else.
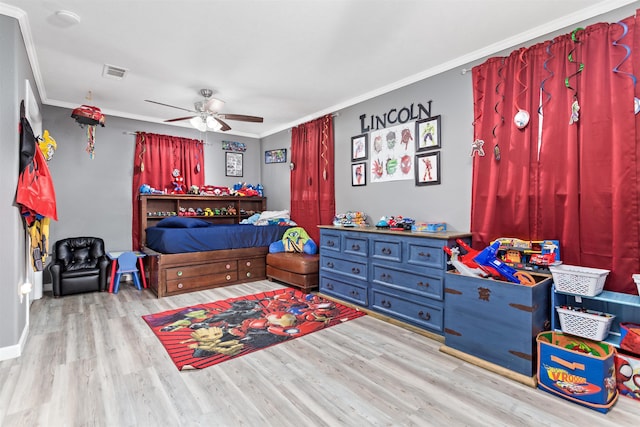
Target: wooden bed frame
(173, 274)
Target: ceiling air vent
(113, 72)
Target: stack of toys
(351, 219)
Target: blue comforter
(212, 238)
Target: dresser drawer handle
(423, 315)
(248, 264)
(426, 255)
(354, 293)
(248, 274)
(180, 285)
(386, 251)
(385, 303)
(385, 277)
(355, 270)
(330, 243)
(228, 266)
(423, 284)
(355, 247)
(179, 273)
(329, 264)
(330, 286)
(228, 277)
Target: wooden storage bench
(296, 269)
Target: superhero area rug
(207, 334)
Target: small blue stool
(127, 263)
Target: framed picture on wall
(359, 147)
(233, 163)
(275, 156)
(359, 174)
(427, 168)
(428, 134)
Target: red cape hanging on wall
(35, 193)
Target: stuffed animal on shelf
(178, 182)
(294, 239)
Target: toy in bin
(529, 254)
(576, 369)
(585, 323)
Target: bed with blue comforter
(187, 254)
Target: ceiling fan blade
(241, 118)
(179, 118)
(167, 105)
(225, 127)
(213, 105)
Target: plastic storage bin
(578, 280)
(590, 324)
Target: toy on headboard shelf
(178, 182)
(147, 189)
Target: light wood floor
(92, 361)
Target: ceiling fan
(205, 114)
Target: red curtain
(557, 179)
(155, 158)
(312, 180)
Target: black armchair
(79, 265)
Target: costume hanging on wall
(35, 193)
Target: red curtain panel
(155, 158)
(561, 178)
(312, 178)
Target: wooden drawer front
(201, 270)
(412, 309)
(354, 269)
(386, 249)
(404, 281)
(356, 245)
(354, 292)
(425, 255)
(198, 282)
(251, 268)
(329, 241)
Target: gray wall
(94, 195)
(14, 69)
(448, 202)
(276, 176)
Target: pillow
(182, 222)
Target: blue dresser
(398, 274)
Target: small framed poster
(427, 168)
(275, 156)
(359, 147)
(428, 134)
(358, 174)
(233, 163)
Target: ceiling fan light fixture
(198, 123)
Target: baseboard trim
(14, 351)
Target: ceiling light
(198, 123)
(67, 18)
